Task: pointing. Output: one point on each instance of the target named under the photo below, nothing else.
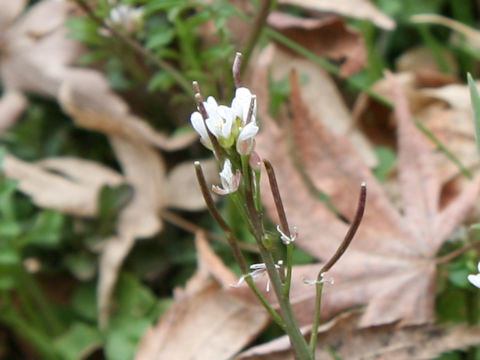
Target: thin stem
(138, 48)
(283, 224)
(340, 251)
(257, 27)
(193, 228)
(454, 254)
(43, 309)
(219, 219)
(233, 242)
(291, 325)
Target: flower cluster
(234, 125)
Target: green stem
(233, 242)
(33, 336)
(316, 318)
(43, 306)
(336, 256)
(291, 325)
(139, 49)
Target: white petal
(241, 103)
(198, 124)
(475, 280)
(478, 266)
(219, 190)
(248, 132)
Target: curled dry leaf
(36, 49)
(390, 266)
(145, 171)
(68, 190)
(342, 336)
(205, 322)
(88, 98)
(12, 105)
(359, 9)
(328, 36)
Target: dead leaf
(10, 11)
(36, 48)
(69, 190)
(12, 105)
(87, 97)
(320, 92)
(328, 36)
(358, 9)
(390, 266)
(387, 342)
(182, 190)
(145, 171)
(205, 322)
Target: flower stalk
(340, 251)
(229, 132)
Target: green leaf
(160, 38)
(475, 98)
(82, 265)
(112, 200)
(122, 341)
(78, 342)
(161, 81)
(47, 228)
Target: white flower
(241, 105)
(287, 240)
(126, 16)
(247, 126)
(220, 121)
(475, 278)
(245, 140)
(230, 182)
(321, 281)
(199, 126)
(259, 270)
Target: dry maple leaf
(205, 322)
(327, 36)
(342, 336)
(359, 9)
(390, 266)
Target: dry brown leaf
(37, 48)
(88, 98)
(205, 322)
(10, 11)
(359, 9)
(12, 105)
(387, 342)
(182, 190)
(145, 171)
(320, 92)
(390, 266)
(70, 192)
(326, 37)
